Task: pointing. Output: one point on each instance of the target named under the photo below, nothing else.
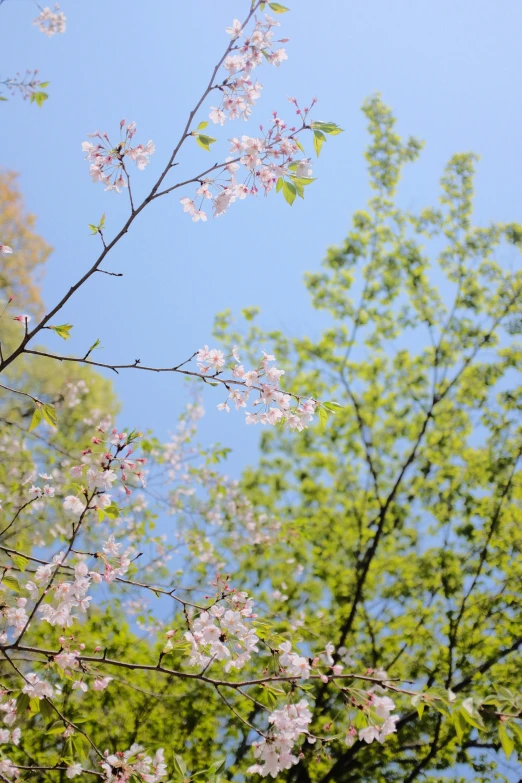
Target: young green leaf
(327, 127)
(20, 562)
(506, 740)
(277, 8)
(289, 192)
(11, 582)
(205, 141)
(36, 419)
(323, 416)
(319, 140)
(460, 723)
(112, 511)
(63, 330)
(202, 125)
(279, 184)
(180, 766)
(49, 414)
(38, 97)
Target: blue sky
(451, 72)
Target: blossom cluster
(382, 722)
(239, 91)
(276, 406)
(108, 160)
(132, 764)
(5, 250)
(254, 164)
(275, 751)
(51, 22)
(222, 635)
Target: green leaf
(506, 740)
(300, 146)
(81, 745)
(22, 703)
(102, 221)
(112, 511)
(49, 414)
(46, 708)
(289, 192)
(279, 184)
(205, 141)
(179, 764)
(44, 84)
(63, 330)
(277, 8)
(327, 127)
(323, 416)
(36, 419)
(417, 701)
(299, 188)
(202, 125)
(20, 562)
(319, 140)
(11, 582)
(304, 181)
(56, 728)
(334, 408)
(473, 718)
(95, 345)
(94, 229)
(34, 706)
(38, 97)
(460, 724)
(217, 766)
(3, 98)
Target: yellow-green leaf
(319, 140)
(63, 330)
(11, 582)
(49, 414)
(36, 419)
(289, 192)
(20, 561)
(506, 740)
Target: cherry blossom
(256, 164)
(122, 766)
(73, 505)
(239, 91)
(37, 688)
(108, 160)
(275, 406)
(51, 22)
(222, 635)
(275, 751)
(5, 250)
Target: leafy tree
(401, 522)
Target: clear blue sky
(450, 70)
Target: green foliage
(400, 535)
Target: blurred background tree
(401, 522)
